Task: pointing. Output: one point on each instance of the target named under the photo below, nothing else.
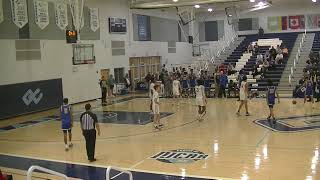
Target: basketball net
(76, 8)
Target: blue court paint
(28, 123)
(124, 117)
(81, 171)
(310, 122)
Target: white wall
(283, 10)
(82, 84)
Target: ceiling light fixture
(210, 9)
(175, 0)
(252, 1)
(197, 6)
(314, 0)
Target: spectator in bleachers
(279, 58)
(285, 52)
(273, 53)
(231, 69)
(250, 48)
(265, 66)
(223, 84)
(266, 55)
(278, 49)
(259, 59)
(256, 48)
(261, 31)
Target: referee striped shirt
(88, 120)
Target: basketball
(294, 102)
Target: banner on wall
(41, 13)
(94, 19)
(1, 12)
(77, 14)
(61, 12)
(277, 23)
(313, 21)
(19, 12)
(296, 22)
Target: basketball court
(64, 49)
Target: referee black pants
(90, 136)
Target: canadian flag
(296, 22)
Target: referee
(89, 124)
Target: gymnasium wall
(80, 83)
(260, 18)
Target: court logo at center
(180, 156)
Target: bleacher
(240, 57)
(316, 43)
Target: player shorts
(155, 109)
(66, 130)
(200, 102)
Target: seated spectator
(309, 65)
(279, 58)
(261, 31)
(259, 59)
(265, 66)
(266, 55)
(231, 69)
(250, 48)
(256, 48)
(272, 65)
(285, 52)
(278, 49)
(273, 53)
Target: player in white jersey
(244, 91)
(151, 90)
(156, 107)
(201, 100)
(176, 88)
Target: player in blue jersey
(309, 90)
(66, 122)
(271, 97)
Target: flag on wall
(284, 24)
(61, 13)
(296, 22)
(41, 13)
(1, 12)
(274, 23)
(277, 23)
(19, 12)
(313, 21)
(94, 19)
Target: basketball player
(271, 96)
(244, 91)
(201, 100)
(176, 88)
(151, 90)
(156, 107)
(66, 122)
(309, 90)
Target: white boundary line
(128, 169)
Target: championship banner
(94, 19)
(274, 23)
(41, 12)
(1, 12)
(19, 12)
(61, 11)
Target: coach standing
(89, 124)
